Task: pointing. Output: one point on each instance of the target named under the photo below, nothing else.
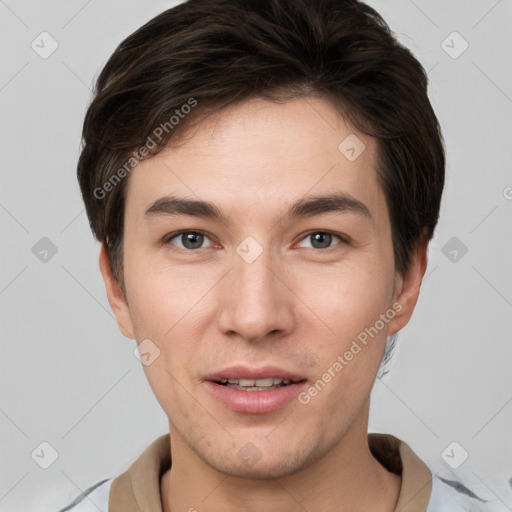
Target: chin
(270, 462)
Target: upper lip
(262, 372)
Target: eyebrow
(309, 206)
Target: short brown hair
(220, 52)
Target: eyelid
(345, 239)
(167, 238)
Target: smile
(255, 384)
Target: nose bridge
(254, 301)
(254, 280)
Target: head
(295, 143)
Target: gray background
(68, 377)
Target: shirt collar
(138, 488)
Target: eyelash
(343, 239)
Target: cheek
(162, 297)
(171, 306)
(163, 305)
(352, 348)
(348, 299)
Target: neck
(347, 477)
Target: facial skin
(297, 306)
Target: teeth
(259, 383)
(264, 382)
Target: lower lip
(255, 402)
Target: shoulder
(436, 487)
(464, 492)
(92, 499)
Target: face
(279, 275)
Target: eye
(322, 239)
(188, 240)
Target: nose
(255, 300)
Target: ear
(407, 287)
(115, 296)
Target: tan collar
(138, 488)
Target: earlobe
(115, 296)
(408, 287)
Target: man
(264, 177)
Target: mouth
(254, 391)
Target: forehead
(260, 155)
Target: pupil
(192, 240)
(322, 238)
